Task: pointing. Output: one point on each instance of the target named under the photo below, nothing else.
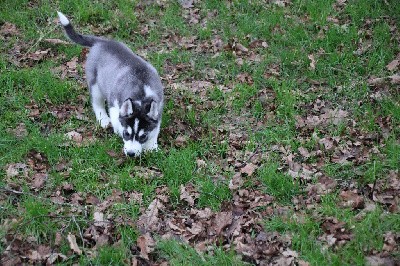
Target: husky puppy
(131, 87)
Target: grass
(292, 33)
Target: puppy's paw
(104, 121)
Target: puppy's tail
(84, 40)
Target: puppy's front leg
(98, 104)
(151, 144)
(116, 124)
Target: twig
(42, 35)
(80, 231)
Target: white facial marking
(141, 132)
(129, 130)
(138, 103)
(132, 147)
(148, 91)
(136, 125)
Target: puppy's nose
(131, 154)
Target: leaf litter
(239, 223)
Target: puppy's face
(140, 126)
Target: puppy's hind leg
(98, 104)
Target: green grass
(180, 254)
(210, 120)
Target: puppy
(131, 87)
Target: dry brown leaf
(73, 245)
(205, 213)
(75, 136)
(236, 181)
(8, 29)
(189, 194)
(222, 220)
(393, 65)
(57, 239)
(56, 41)
(54, 258)
(186, 3)
(390, 241)
(38, 55)
(375, 260)
(20, 131)
(92, 199)
(146, 244)
(304, 152)
(395, 79)
(181, 141)
(351, 199)
(14, 169)
(313, 62)
(72, 64)
(38, 180)
(249, 169)
(149, 220)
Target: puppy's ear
(151, 109)
(126, 108)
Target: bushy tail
(84, 40)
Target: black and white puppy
(131, 87)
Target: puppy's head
(139, 120)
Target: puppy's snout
(132, 148)
(131, 154)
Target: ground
(279, 142)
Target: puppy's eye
(143, 137)
(126, 134)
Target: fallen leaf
(9, 29)
(56, 41)
(249, 169)
(236, 181)
(222, 220)
(54, 258)
(98, 218)
(186, 3)
(393, 65)
(20, 131)
(58, 239)
(379, 261)
(395, 79)
(181, 141)
(390, 241)
(73, 245)
(304, 152)
(146, 244)
(188, 194)
(92, 199)
(313, 62)
(351, 199)
(38, 55)
(38, 180)
(15, 169)
(205, 213)
(72, 64)
(75, 136)
(149, 220)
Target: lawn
(280, 139)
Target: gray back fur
(120, 74)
